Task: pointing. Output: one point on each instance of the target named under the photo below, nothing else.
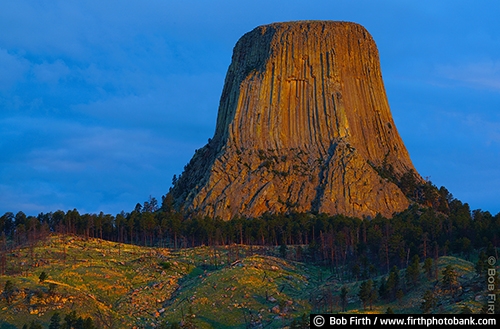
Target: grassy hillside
(126, 286)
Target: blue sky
(102, 102)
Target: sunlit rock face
(303, 125)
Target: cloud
(12, 70)
(51, 73)
(88, 167)
(487, 130)
(481, 74)
(62, 146)
(178, 106)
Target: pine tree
(413, 271)
(364, 293)
(382, 290)
(34, 325)
(43, 276)
(8, 291)
(450, 279)
(367, 293)
(343, 297)
(399, 295)
(482, 263)
(303, 323)
(429, 302)
(55, 321)
(428, 268)
(283, 250)
(70, 320)
(373, 294)
(393, 282)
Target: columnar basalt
(303, 125)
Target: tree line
(443, 226)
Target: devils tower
(303, 125)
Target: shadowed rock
(303, 125)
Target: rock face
(303, 125)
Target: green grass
(227, 287)
(244, 292)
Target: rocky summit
(304, 125)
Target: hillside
(127, 286)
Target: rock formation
(303, 125)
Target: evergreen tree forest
(440, 225)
